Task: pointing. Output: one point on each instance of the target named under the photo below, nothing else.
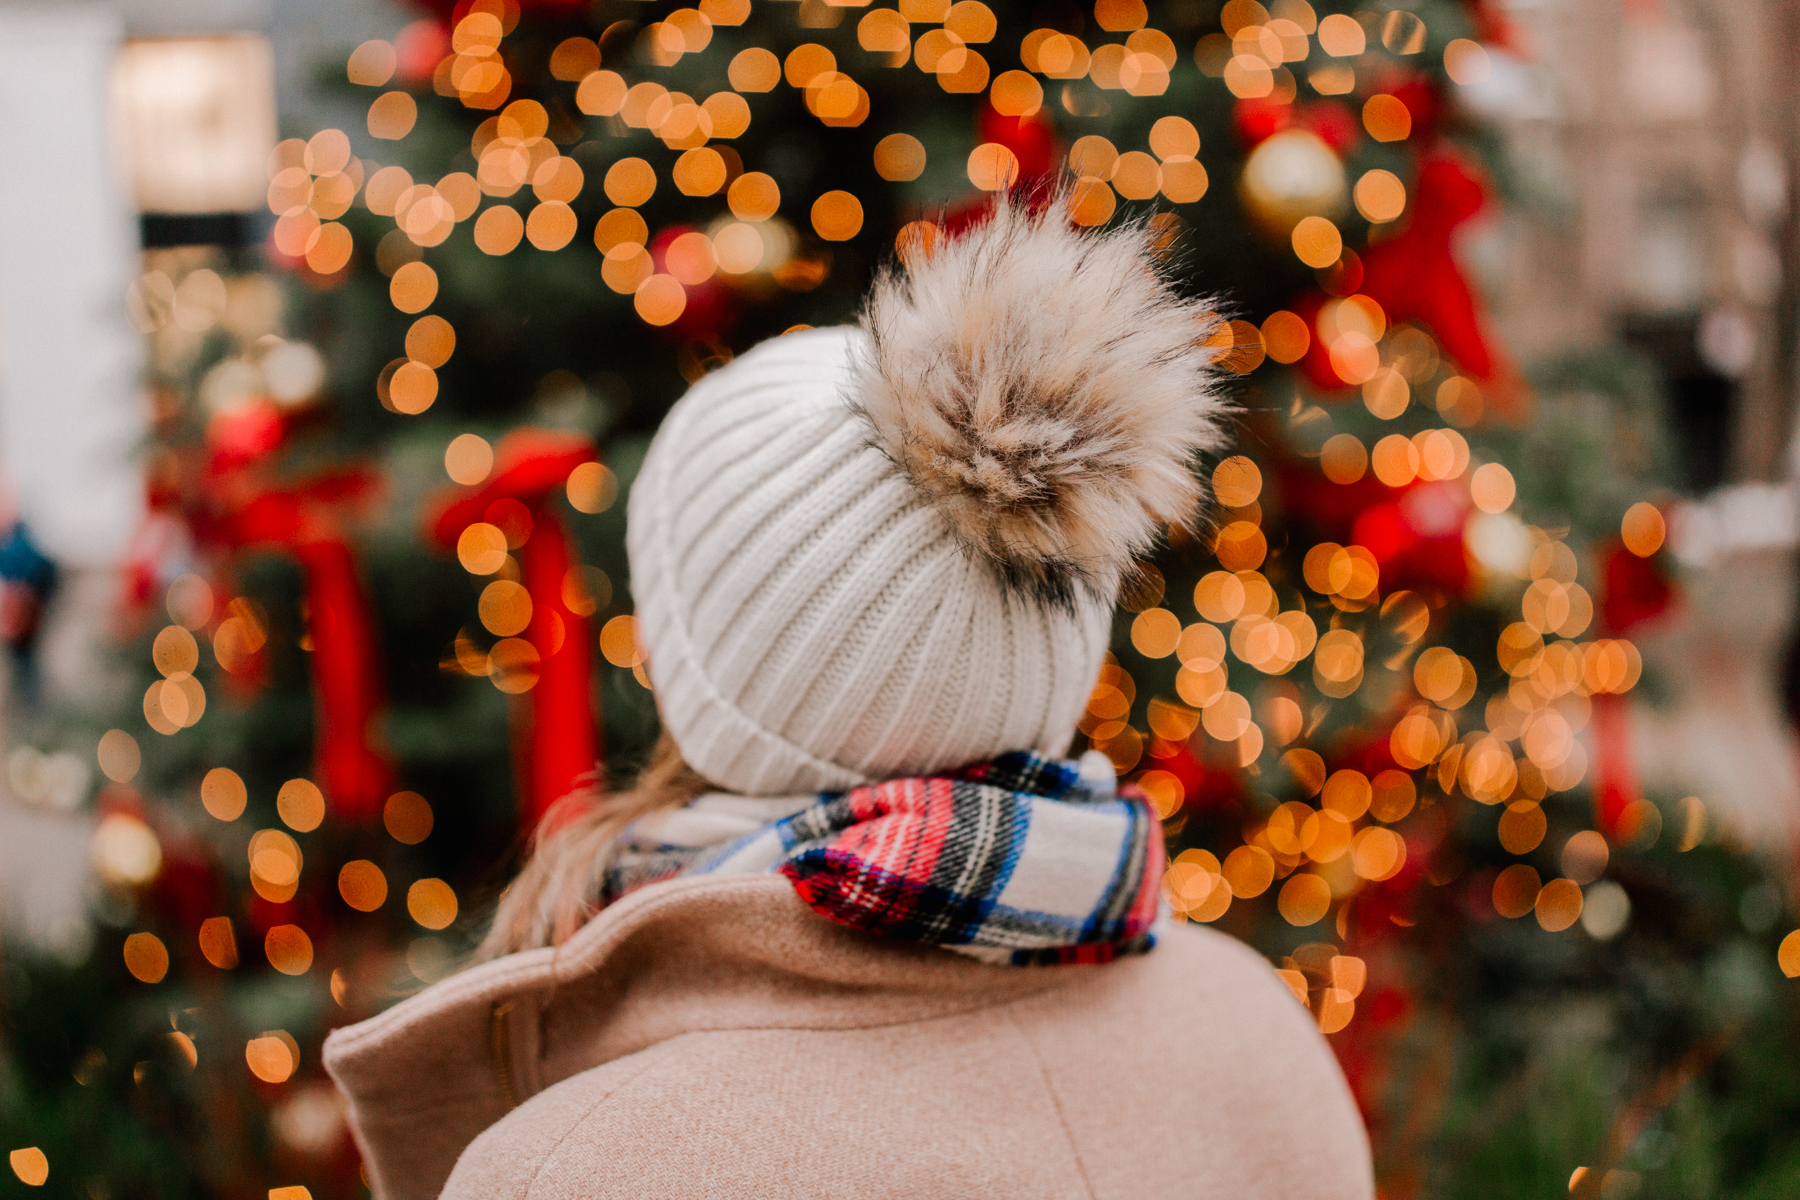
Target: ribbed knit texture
(811, 622)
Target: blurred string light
(1334, 636)
(30, 1165)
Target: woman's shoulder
(1189, 1071)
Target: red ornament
(1257, 120)
(1415, 532)
(562, 749)
(1633, 591)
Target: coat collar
(426, 1077)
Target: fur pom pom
(1047, 390)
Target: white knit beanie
(867, 553)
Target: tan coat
(713, 1037)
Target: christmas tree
(1380, 699)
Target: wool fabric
(1021, 861)
(811, 622)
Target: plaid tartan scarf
(1019, 861)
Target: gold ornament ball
(1289, 177)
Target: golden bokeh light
(301, 805)
(690, 258)
(412, 389)
(1249, 870)
(837, 216)
(1304, 899)
(481, 548)
(972, 21)
(30, 1164)
(1016, 94)
(1138, 176)
(1466, 62)
(1219, 596)
(551, 225)
(189, 601)
(118, 756)
(273, 1057)
(1347, 793)
(1788, 955)
(1164, 791)
(275, 865)
(1643, 529)
(1386, 117)
(1584, 856)
(1237, 482)
(754, 70)
(1248, 77)
(1174, 137)
(1241, 546)
(467, 460)
(660, 299)
(699, 172)
(175, 652)
(1286, 337)
(807, 64)
(218, 943)
(1325, 836)
(146, 957)
(1155, 632)
(407, 818)
(618, 227)
(1340, 36)
(1516, 890)
(413, 287)
(505, 608)
(1522, 826)
(753, 196)
(288, 949)
(1393, 795)
(1396, 460)
(1343, 459)
(1317, 242)
(1092, 157)
(125, 851)
(431, 903)
(223, 794)
(1492, 488)
(1184, 180)
(1380, 196)
(939, 52)
(513, 665)
(362, 885)
(1091, 201)
(1377, 853)
(899, 157)
(629, 182)
(619, 642)
(392, 116)
(592, 488)
(992, 167)
(739, 248)
(573, 59)
(329, 248)
(627, 267)
(1559, 904)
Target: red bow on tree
(347, 691)
(1415, 278)
(562, 749)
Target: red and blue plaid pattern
(1018, 860)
